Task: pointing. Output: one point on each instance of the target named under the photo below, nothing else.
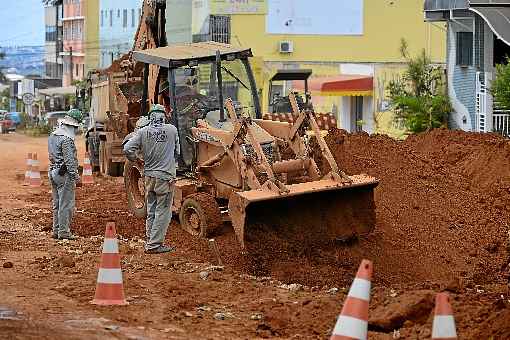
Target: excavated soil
(440, 216)
(441, 204)
(441, 225)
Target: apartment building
(118, 23)
(53, 63)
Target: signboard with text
(323, 17)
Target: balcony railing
(488, 2)
(445, 5)
(501, 122)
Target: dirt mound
(441, 214)
(97, 204)
(440, 204)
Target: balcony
(501, 122)
(488, 2)
(72, 11)
(445, 5)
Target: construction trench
(442, 224)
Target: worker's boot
(161, 249)
(68, 236)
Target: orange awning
(342, 85)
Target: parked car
(16, 117)
(6, 123)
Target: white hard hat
(141, 122)
(69, 121)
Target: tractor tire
(135, 188)
(200, 215)
(102, 157)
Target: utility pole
(71, 63)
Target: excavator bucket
(321, 211)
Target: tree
(501, 85)
(4, 99)
(2, 75)
(418, 97)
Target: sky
(21, 23)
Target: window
(111, 18)
(124, 18)
(102, 18)
(51, 33)
(464, 48)
(133, 20)
(219, 29)
(139, 13)
(67, 31)
(118, 13)
(76, 31)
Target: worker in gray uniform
(63, 173)
(159, 146)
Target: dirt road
(50, 285)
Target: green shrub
(37, 131)
(417, 97)
(501, 85)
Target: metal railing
(445, 5)
(481, 107)
(501, 122)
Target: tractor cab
(278, 101)
(195, 80)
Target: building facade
(53, 63)
(478, 39)
(73, 53)
(91, 38)
(118, 23)
(358, 38)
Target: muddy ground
(442, 224)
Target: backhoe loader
(237, 167)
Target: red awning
(342, 85)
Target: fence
(501, 122)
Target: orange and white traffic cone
(353, 320)
(110, 288)
(28, 172)
(443, 327)
(35, 174)
(87, 177)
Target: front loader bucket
(317, 212)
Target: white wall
(117, 38)
(345, 113)
(50, 52)
(178, 21)
(325, 17)
(50, 16)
